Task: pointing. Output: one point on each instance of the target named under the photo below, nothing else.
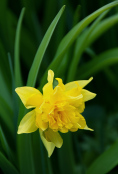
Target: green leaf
(4, 91)
(18, 78)
(81, 45)
(87, 38)
(105, 162)
(77, 13)
(5, 146)
(3, 23)
(101, 28)
(25, 154)
(6, 166)
(72, 35)
(6, 115)
(41, 50)
(4, 65)
(101, 61)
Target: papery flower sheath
(56, 110)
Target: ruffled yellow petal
(81, 107)
(58, 95)
(50, 76)
(48, 91)
(53, 137)
(60, 83)
(48, 145)
(81, 122)
(27, 124)
(87, 95)
(75, 101)
(39, 122)
(73, 129)
(69, 86)
(74, 91)
(81, 83)
(64, 130)
(30, 96)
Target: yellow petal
(47, 91)
(64, 130)
(48, 87)
(58, 95)
(39, 122)
(87, 95)
(82, 84)
(82, 122)
(75, 101)
(74, 91)
(70, 85)
(53, 137)
(27, 124)
(87, 128)
(30, 96)
(81, 107)
(73, 129)
(60, 83)
(50, 76)
(48, 145)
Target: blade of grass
(4, 65)
(3, 24)
(6, 146)
(111, 76)
(15, 101)
(41, 50)
(4, 91)
(18, 78)
(72, 35)
(81, 45)
(25, 154)
(106, 161)
(101, 61)
(6, 115)
(101, 28)
(77, 15)
(6, 166)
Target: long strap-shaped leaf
(105, 162)
(18, 78)
(41, 50)
(88, 38)
(80, 46)
(6, 165)
(72, 35)
(6, 115)
(101, 28)
(5, 146)
(101, 61)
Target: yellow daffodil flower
(57, 109)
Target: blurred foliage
(84, 44)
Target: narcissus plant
(56, 110)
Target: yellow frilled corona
(56, 110)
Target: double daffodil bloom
(57, 109)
